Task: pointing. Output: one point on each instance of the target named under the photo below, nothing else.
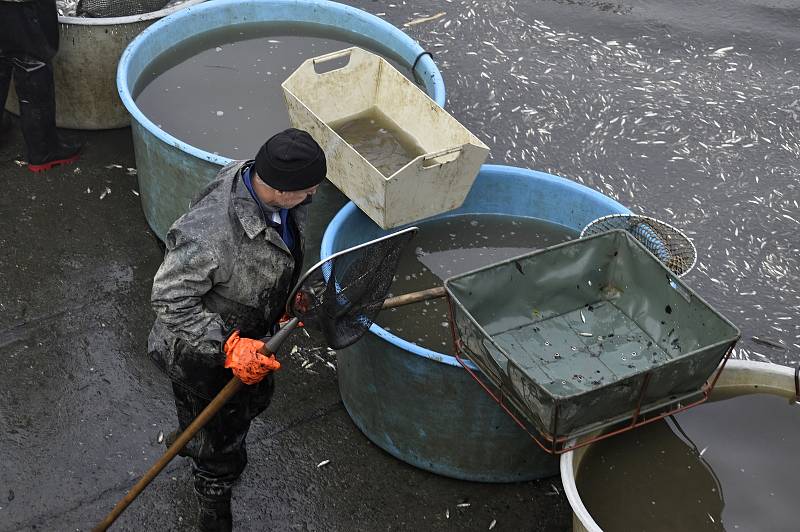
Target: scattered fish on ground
(424, 19)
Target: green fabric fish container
(591, 336)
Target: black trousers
(218, 450)
(33, 80)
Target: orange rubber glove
(244, 357)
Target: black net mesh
(117, 8)
(669, 244)
(341, 296)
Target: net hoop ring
(315, 267)
(684, 242)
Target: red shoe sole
(52, 164)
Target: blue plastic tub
(170, 171)
(420, 405)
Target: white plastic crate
(432, 183)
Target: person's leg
(33, 80)
(6, 68)
(218, 450)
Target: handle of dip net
(414, 297)
(230, 389)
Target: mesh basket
(587, 336)
(117, 8)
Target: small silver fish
(161, 437)
(323, 463)
(583, 318)
(463, 505)
(491, 525)
(768, 342)
(585, 334)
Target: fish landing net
(670, 245)
(342, 294)
(117, 8)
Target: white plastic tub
(432, 183)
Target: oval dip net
(341, 295)
(670, 245)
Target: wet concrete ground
(647, 104)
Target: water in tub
(379, 140)
(725, 465)
(220, 91)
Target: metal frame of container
(664, 388)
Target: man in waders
(230, 264)
(28, 43)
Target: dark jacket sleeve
(184, 277)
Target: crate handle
(440, 153)
(330, 57)
(685, 294)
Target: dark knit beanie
(291, 160)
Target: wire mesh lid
(341, 295)
(670, 245)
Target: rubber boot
(214, 514)
(37, 105)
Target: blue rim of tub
(307, 11)
(327, 249)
